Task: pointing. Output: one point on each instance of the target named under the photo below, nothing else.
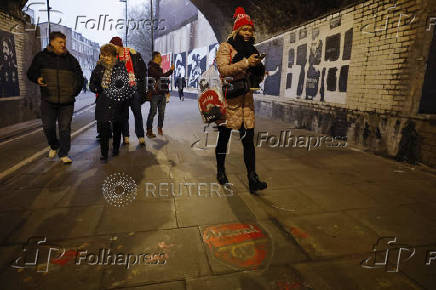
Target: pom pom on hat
(239, 10)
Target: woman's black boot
(254, 183)
(222, 177)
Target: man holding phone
(60, 78)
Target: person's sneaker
(141, 141)
(115, 152)
(103, 158)
(66, 160)
(126, 140)
(52, 153)
(150, 133)
(160, 131)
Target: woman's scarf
(244, 48)
(106, 79)
(129, 65)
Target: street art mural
(9, 85)
(273, 66)
(197, 59)
(318, 60)
(179, 66)
(212, 53)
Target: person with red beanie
(239, 59)
(137, 70)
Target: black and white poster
(8, 67)
(273, 66)
(197, 59)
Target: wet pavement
(328, 220)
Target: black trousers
(246, 136)
(105, 132)
(180, 93)
(50, 113)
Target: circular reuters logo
(119, 189)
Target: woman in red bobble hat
(239, 59)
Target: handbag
(236, 88)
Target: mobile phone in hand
(261, 56)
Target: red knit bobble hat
(241, 19)
(117, 41)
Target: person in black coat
(110, 81)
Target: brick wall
(390, 48)
(25, 106)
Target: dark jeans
(181, 94)
(135, 106)
(105, 131)
(158, 103)
(50, 113)
(247, 136)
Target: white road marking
(40, 129)
(39, 153)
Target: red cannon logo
(211, 106)
(240, 245)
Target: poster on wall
(180, 66)
(166, 62)
(273, 66)
(197, 59)
(318, 65)
(9, 85)
(212, 53)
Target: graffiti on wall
(273, 66)
(9, 84)
(318, 61)
(197, 59)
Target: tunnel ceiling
(270, 16)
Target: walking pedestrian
(239, 58)
(60, 78)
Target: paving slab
(185, 257)
(348, 274)
(329, 234)
(401, 222)
(58, 223)
(138, 216)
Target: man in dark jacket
(60, 78)
(158, 99)
(181, 84)
(137, 70)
